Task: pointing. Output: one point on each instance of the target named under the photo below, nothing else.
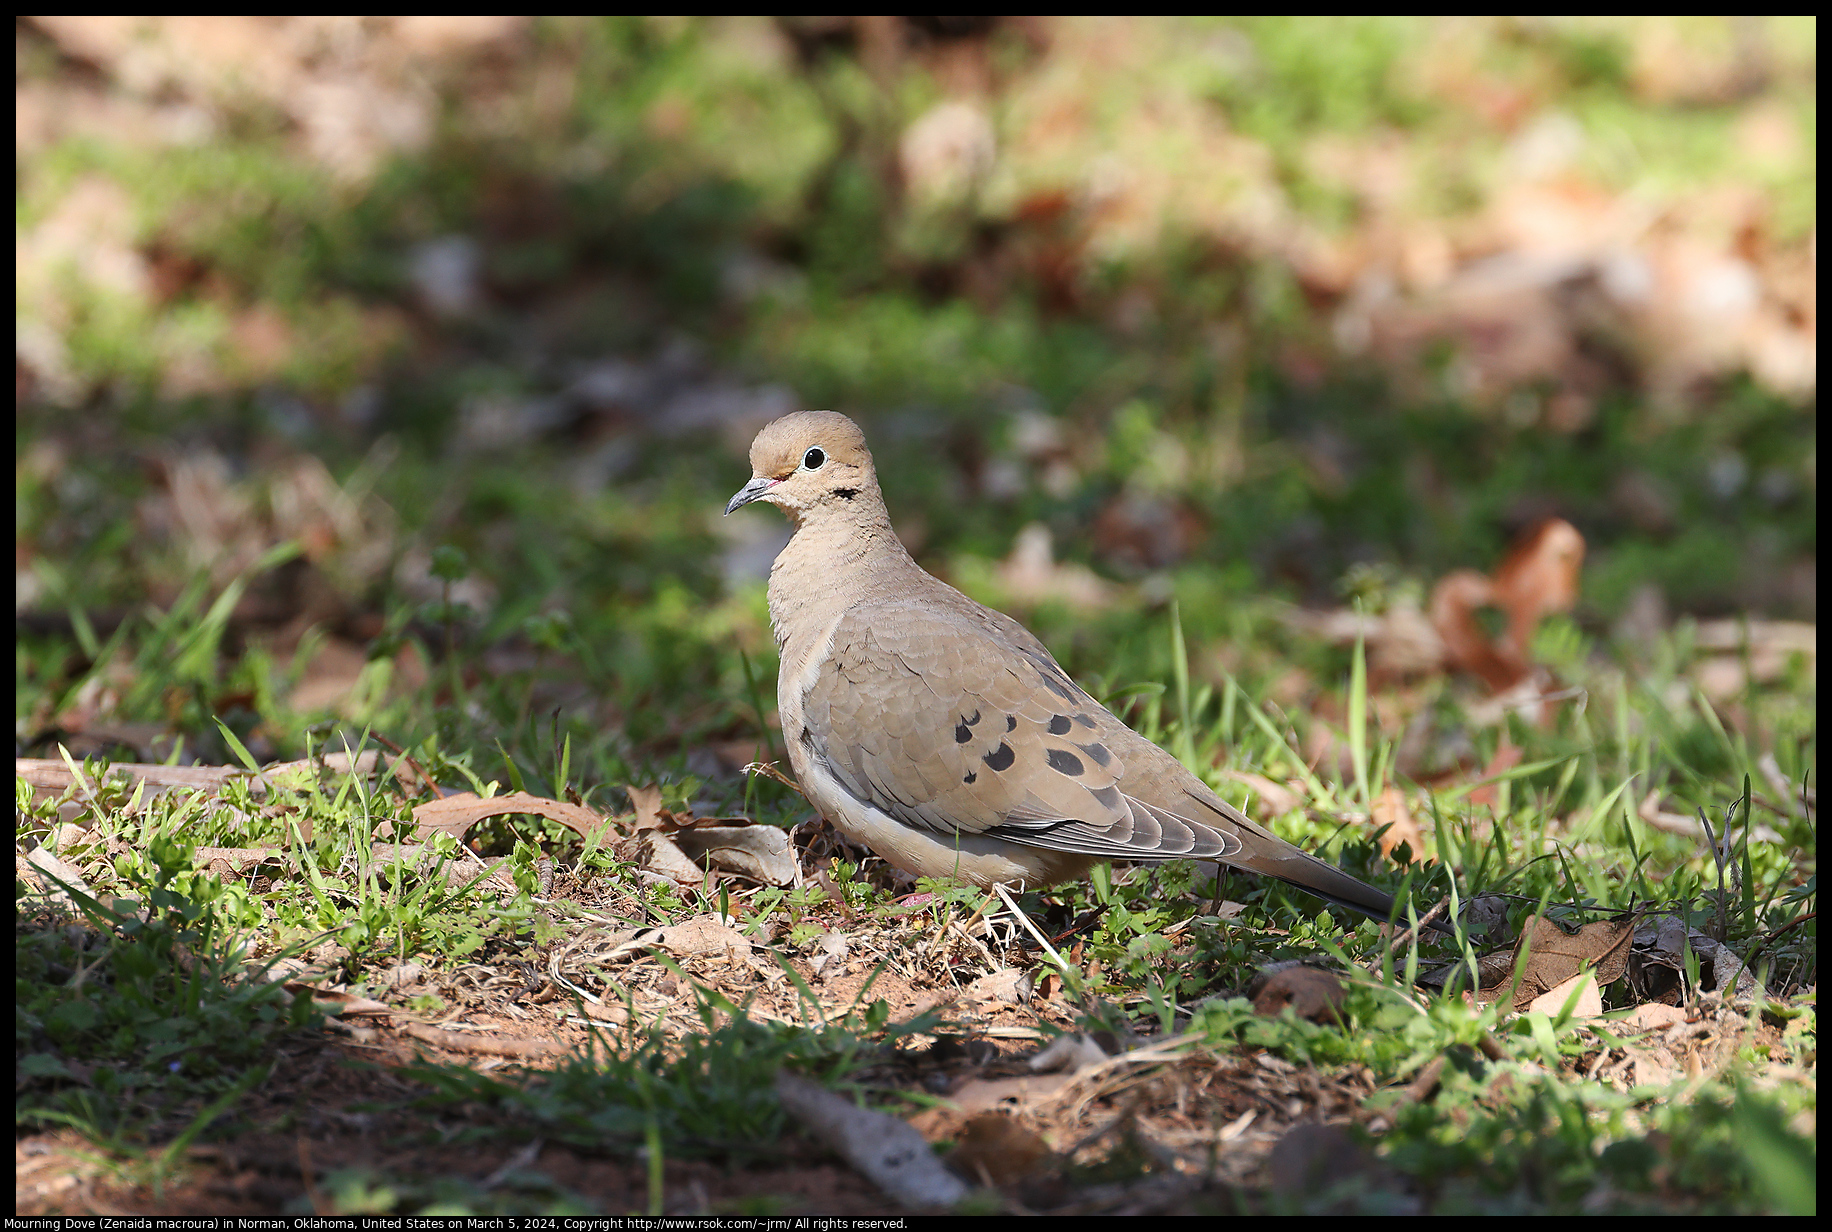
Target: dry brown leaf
(1313, 995)
(1538, 576)
(995, 1150)
(758, 852)
(1555, 956)
(1390, 810)
(647, 801)
(656, 851)
(1455, 601)
(1552, 1001)
(454, 815)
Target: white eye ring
(814, 459)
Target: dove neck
(832, 562)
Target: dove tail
(1260, 851)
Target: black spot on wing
(1085, 720)
(1057, 684)
(1000, 758)
(1098, 752)
(1059, 725)
(962, 733)
(970, 776)
(974, 721)
(1064, 762)
(1011, 722)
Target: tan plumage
(941, 733)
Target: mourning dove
(942, 734)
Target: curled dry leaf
(1538, 576)
(760, 853)
(454, 815)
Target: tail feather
(1264, 852)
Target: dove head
(809, 463)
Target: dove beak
(750, 492)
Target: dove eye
(813, 459)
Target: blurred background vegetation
(362, 362)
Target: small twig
(1405, 936)
(496, 1046)
(769, 771)
(403, 755)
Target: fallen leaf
(647, 801)
(1455, 600)
(758, 852)
(1313, 995)
(1011, 987)
(456, 814)
(995, 1150)
(1390, 811)
(1552, 1001)
(1554, 956)
(1539, 576)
